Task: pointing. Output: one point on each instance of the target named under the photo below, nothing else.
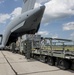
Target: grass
(58, 48)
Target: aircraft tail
(28, 5)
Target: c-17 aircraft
(28, 22)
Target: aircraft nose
(42, 7)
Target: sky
(57, 21)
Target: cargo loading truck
(53, 51)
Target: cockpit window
(0, 39)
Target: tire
(51, 61)
(46, 59)
(43, 59)
(64, 64)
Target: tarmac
(16, 64)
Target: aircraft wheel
(63, 64)
(51, 61)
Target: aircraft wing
(28, 5)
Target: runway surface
(16, 64)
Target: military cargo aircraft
(28, 22)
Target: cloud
(37, 5)
(56, 9)
(43, 33)
(11, 16)
(1, 1)
(16, 12)
(54, 36)
(68, 26)
(46, 24)
(72, 36)
(4, 18)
